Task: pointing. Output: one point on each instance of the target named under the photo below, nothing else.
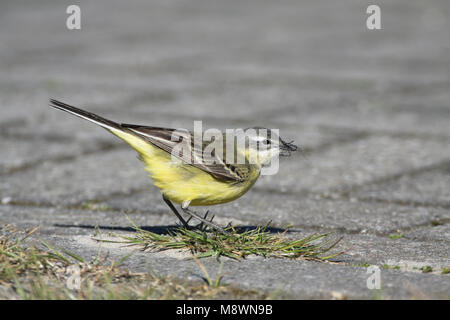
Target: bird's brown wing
(167, 139)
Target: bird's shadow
(165, 229)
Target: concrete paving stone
(62, 222)
(21, 106)
(257, 104)
(297, 279)
(9, 122)
(371, 105)
(314, 212)
(303, 212)
(428, 188)
(21, 153)
(89, 177)
(360, 248)
(354, 163)
(436, 233)
(188, 52)
(74, 230)
(236, 101)
(39, 120)
(372, 115)
(404, 252)
(242, 102)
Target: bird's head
(265, 144)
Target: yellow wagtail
(191, 183)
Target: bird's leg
(204, 220)
(174, 210)
(201, 224)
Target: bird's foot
(202, 226)
(205, 221)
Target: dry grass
(33, 269)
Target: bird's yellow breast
(180, 182)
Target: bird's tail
(136, 141)
(105, 123)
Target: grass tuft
(235, 244)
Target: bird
(193, 183)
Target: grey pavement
(370, 108)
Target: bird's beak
(287, 147)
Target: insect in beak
(287, 147)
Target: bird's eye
(267, 141)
